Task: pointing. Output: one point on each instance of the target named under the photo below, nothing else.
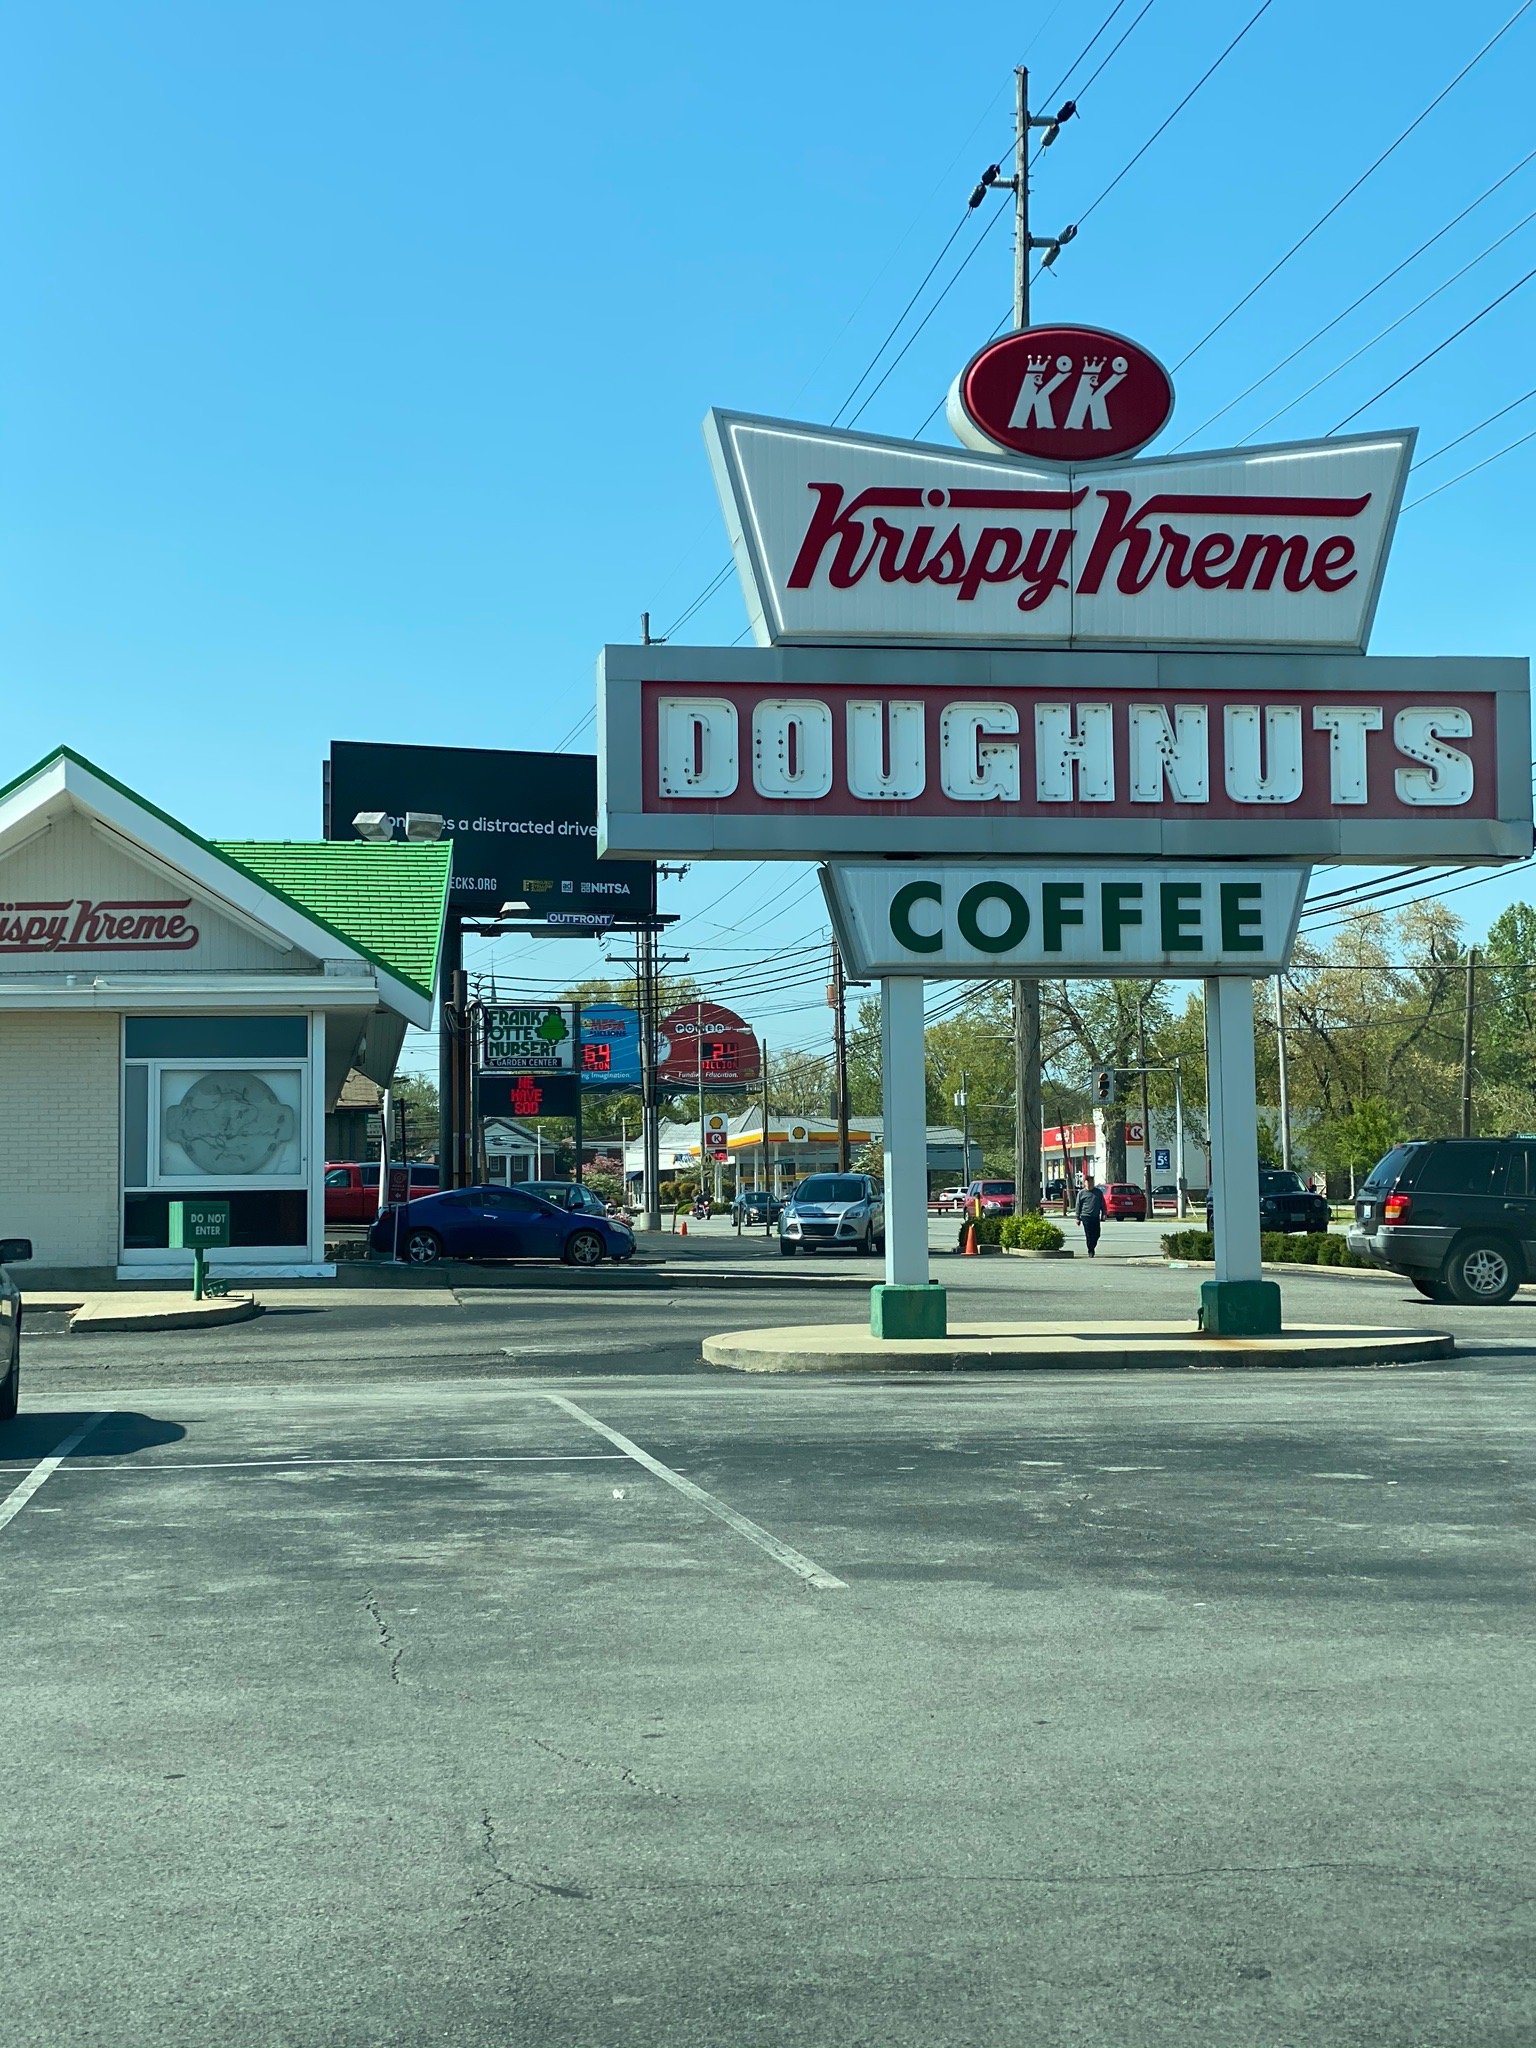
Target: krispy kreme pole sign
(1038, 644)
(802, 752)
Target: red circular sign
(1061, 394)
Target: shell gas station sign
(1045, 706)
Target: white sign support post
(907, 1305)
(1239, 1302)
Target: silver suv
(832, 1209)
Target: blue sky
(355, 356)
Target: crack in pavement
(386, 1636)
(503, 1880)
(622, 1771)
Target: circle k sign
(1061, 394)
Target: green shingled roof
(384, 898)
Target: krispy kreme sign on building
(77, 924)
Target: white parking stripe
(169, 1467)
(18, 1497)
(781, 1553)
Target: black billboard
(524, 826)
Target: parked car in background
(831, 1210)
(997, 1197)
(756, 1205)
(1284, 1203)
(1055, 1189)
(1455, 1216)
(566, 1194)
(352, 1188)
(14, 1251)
(950, 1198)
(497, 1223)
(1124, 1202)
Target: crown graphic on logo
(1092, 365)
(1036, 362)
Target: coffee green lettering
(901, 917)
(1061, 904)
(969, 920)
(1242, 915)
(1180, 904)
(1119, 906)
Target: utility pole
(1285, 1074)
(963, 1104)
(1146, 1105)
(1027, 1080)
(1466, 1043)
(837, 998)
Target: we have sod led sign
(957, 921)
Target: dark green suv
(1456, 1216)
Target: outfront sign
(953, 921)
(847, 537)
(807, 753)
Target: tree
(416, 1100)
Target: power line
(1519, 442)
(1391, 326)
(1354, 305)
(1439, 349)
(1344, 197)
(1445, 447)
(1250, 23)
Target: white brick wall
(59, 1134)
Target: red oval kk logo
(1061, 394)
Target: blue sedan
(497, 1223)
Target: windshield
(829, 1187)
(1280, 1183)
(997, 1187)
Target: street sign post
(198, 1227)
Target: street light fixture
(373, 825)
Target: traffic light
(1104, 1086)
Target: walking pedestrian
(1090, 1212)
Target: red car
(352, 1189)
(1124, 1202)
(995, 1196)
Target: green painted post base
(1240, 1308)
(907, 1311)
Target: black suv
(1457, 1216)
(1284, 1203)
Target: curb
(1147, 1348)
(89, 1321)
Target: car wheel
(583, 1248)
(1481, 1271)
(422, 1248)
(10, 1388)
(1432, 1290)
(787, 1248)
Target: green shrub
(989, 1230)
(1304, 1248)
(1031, 1233)
(1189, 1244)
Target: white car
(951, 1198)
(837, 1211)
(13, 1250)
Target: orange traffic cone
(684, 1221)
(969, 1248)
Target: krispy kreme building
(177, 1014)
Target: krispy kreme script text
(889, 533)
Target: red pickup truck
(352, 1189)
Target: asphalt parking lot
(464, 1671)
